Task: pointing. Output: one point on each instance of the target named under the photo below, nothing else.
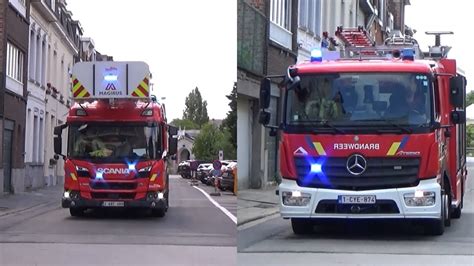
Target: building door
(7, 158)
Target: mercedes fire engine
(378, 133)
(118, 140)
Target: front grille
(381, 207)
(105, 195)
(111, 185)
(380, 173)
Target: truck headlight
(420, 198)
(295, 198)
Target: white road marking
(224, 210)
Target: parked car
(213, 173)
(184, 169)
(203, 172)
(227, 179)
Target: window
(14, 63)
(280, 13)
(35, 139)
(310, 16)
(280, 26)
(362, 99)
(303, 14)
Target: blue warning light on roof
(408, 54)
(316, 55)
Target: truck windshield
(114, 143)
(360, 99)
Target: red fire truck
(376, 134)
(118, 140)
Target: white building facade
(53, 49)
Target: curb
(14, 211)
(273, 212)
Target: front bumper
(394, 195)
(95, 203)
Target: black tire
(158, 212)
(447, 218)
(76, 212)
(436, 227)
(302, 226)
(456, 214)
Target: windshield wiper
(320, 125)
(404, 129)
(326, 123)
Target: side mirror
(458, 117)
(295, 83)
(59, 129)
(457, 92)
(265, 93)
(264, 117)
(57, 144)
(172, 140)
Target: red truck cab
(375, 138)
(118, 146)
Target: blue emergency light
(408, 54)
(316, 55)
(316, 168)
(110, 78)
(98, 175)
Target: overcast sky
(436, 15)
(186, 43)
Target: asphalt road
(272, 242)
(193, 232)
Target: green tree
(210, 140)
(470, 98)
(230, 122)
(195, 108)
(184, 124)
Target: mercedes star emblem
(356, 164)
(356, 138)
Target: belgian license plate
(113, 204)
(368, 199)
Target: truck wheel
(158, 212)
(447, 207)
(76, 212)
(436, 227)
(456, 214)
(302, 226)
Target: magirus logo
(123, 171)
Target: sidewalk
(18, 202)
(254, 204)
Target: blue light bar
(316, 168)
(131, 167)
(408, 54)
(316, 55)
(110, 77)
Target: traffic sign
(221, 155)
